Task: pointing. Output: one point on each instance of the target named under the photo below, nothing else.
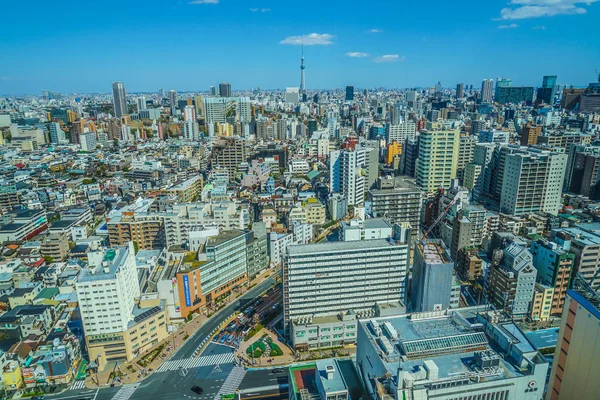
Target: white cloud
(204, 2)
(5, 78)
(255, 9)
(309, 39)
(389, 58)
(511, 26)
(374, 30)
(262, 10)
(539, 28)
(543, 8)
(357, 54)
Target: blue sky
(83, 46)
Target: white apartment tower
(190, 126)
(532, 182)
(107, 290)
(400, 132)
(352, 172)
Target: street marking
(233, 381)
(195, 362)
(77, 385)
(125, 392)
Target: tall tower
(119, 99)
(302, 82)
(173, 101)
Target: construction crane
(597, 75)
(441, 216)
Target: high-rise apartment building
(512, 280)
(147, 230)
(218, 108)
(410, 155)
(532, 181)
(576, 359)
(225, 89)
(119, 99)
(400, 204)
(173, 101)
(487, 90)
(190, 126)
(584, 242)
(57, 135)
(141, 103)
(554, 265)
(466, 148)
(88, 141)
(576, 165)
(400, 132)
(438, 157)
(432, 277)
(530, 134)
(229, 153)
(352, 172)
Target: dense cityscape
(436, 242)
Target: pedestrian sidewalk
(131, 372)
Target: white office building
(329, 278)
(292, 95)
(107, 289)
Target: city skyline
(172, 46)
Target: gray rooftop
(328, 247)
(114, 262)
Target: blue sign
(186, 291)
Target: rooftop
(223, 237)
(433, 252)
(448, 340)
(114, 257)
(329, 247)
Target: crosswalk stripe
(77, 385)
(125, 392)
(232, 382)
(196, 362)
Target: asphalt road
(281, 394)
(263, 378)
(177, 384)
(188, 349)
